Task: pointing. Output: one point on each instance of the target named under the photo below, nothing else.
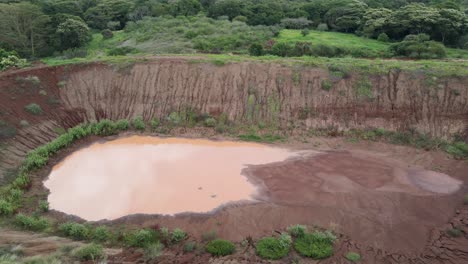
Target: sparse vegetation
(316, 245)
(89, 252)
(154, 250)
(219, 247)
(353, 257)
(33, 108)
(44, 206)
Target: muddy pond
(152, 175)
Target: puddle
(153, 175)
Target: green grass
(349, 41)
(219, 247)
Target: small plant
(105, 127)
(75, 230)
(154, 123)
(190, 246)
(178, 235)
(271, 248)
(89, 252)
(44, 206)
(122, 124)
(31, 223)
(102, 234)
(174, 118)
(153, 250)
(326, 85)
(210, 122)
(317, 245)
(138, 123)
(140, 238)
(6, 207)
(297, 230)
(353, 256)
(33, 108)
(454, 232)
(219, 247)
(383, 37)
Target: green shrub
(297, 230)
(141, 238)
(271, 248)
(455, 232)
(6, 208)
(122, 124)
(322, 27)
(190, 246)
(353, 256)
(282, 49)
(31, 223)
(33, 108)
(138, 123)
(219, 247)
(44, 206)
(383, 37)
(89, 252)
(153, 250)
(154, 123)
(174, 118)
(210, 122)
(326, 85)
(458, 149)
(256, 50)
(178, 235)
(305, 32)
(75, 230)
(418, 47)
(102, 234)
(105, 127)
(317, 245)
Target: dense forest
(40, 28)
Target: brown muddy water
(151, 175)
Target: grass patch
(297, 230)
(273, 248)
(219, 247)
(91, 252)
(33, 109)
(316, 245)
(353, 256)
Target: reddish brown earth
(374, 194)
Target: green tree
(230, 8)
(450, 26)
(73, 34)
(418, 47)
(374, 21)
(185, 7)
(412, 19)
(108, 10)
(346, 16)
(23, 27)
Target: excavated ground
(381, 197)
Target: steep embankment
(247, 92)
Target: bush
(210, 122)
(322, 27)
(107, 34)
(33, 108)
(190, 246)
(317, 245)
(44, 206)
(11, 61)
(122, 124)
(154, 123)
(458, 149)
(383, 37)
(105, 127)
(271, 248)
(219, 247)
(31, 223)
(353, 256)
(305, 32)
(326, 85)
(153, 251)
(141, 238)
(240, 18)
(102, 234)
(75, 230)
(297, 230)
(6, 208)
(89, 252)
(418, 47)
(120, 51)
(138, 123)
(282, 49)
(455, 232)
(256, 50)
(178, 235)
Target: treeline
(41, 27)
